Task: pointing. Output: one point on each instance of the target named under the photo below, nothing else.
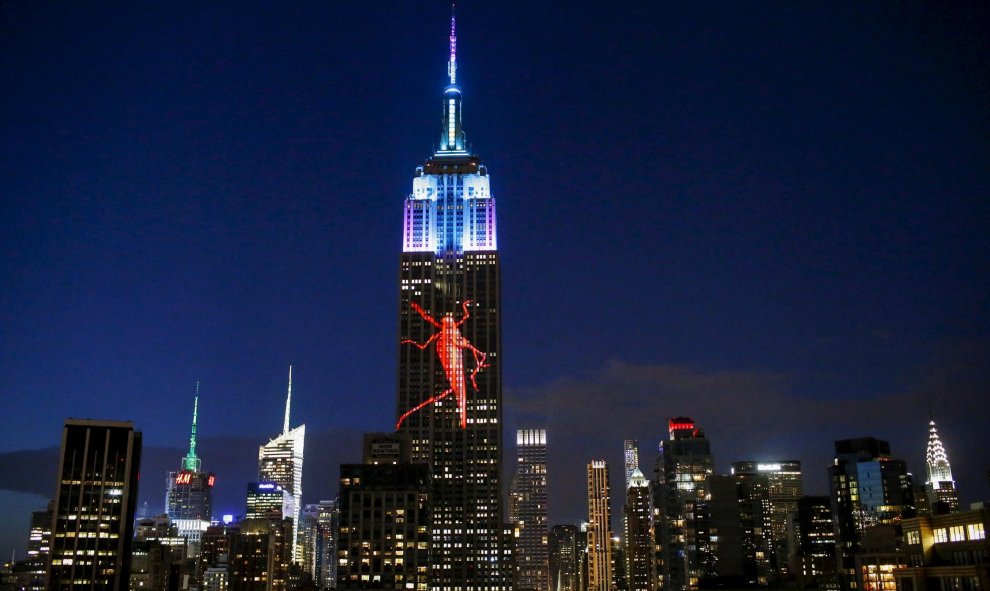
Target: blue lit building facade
(449, 398)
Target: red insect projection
(450, 347)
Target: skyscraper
(640, 535)
(786, 487)
(599, 528)
(189, 492)
(281, 461)
(684, 471)
(95, 498)
(942, 494)
(529, 489)
(565, 558)
(449, 397)
(868, 487)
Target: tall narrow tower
(281, 461)
(189, 491)
(529, 490)
(449, 397)
(599, 528)
(942, 492)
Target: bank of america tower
(449, 389)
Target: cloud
(750, 415)
(233, 459)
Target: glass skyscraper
(281, 461)
(449, 397)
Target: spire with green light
(191, 462)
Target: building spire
(452, 64)
(452, 141)
(936, 459)
(288, 403)
(191, 462)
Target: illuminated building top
(451, 208)
(281, 461)
(936, 459)
(680, 427)
(191, 462)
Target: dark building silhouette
(384, 539)
(565, 558)
(640, 534)
(95, 500)
(868, 488)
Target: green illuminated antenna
(191, 462)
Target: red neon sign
(211, 480)
(450, 347)
(183, 478)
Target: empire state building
(449, 396)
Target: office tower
(529, 510)
(281, 461)
(640, 535)
(683, 471)
(630, 457)
(786, 487)
(39, 547)
(868, 488)
(449, 397)
(189, 492)
(308, 516)
(268, 500)
(564, 558)
(941, 488)
(739, 523)
(599, 528)
(327, 532)
(384, 539)
(95, 499)
(260, 554)
(157, 555)
(620, 580)
(814, 540)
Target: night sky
(773, 217)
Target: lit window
(976, 531)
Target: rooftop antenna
(288, 403)
(452, 64)
(191, 462)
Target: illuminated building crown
(451, 209)
(936, 459)
(191, 462)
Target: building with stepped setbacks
(941, 488)
(449, 398)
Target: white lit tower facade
(280, 461)
(942, 493)
(189, 492)
(449, 397)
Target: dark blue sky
(772, 216)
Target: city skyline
(176, 250)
